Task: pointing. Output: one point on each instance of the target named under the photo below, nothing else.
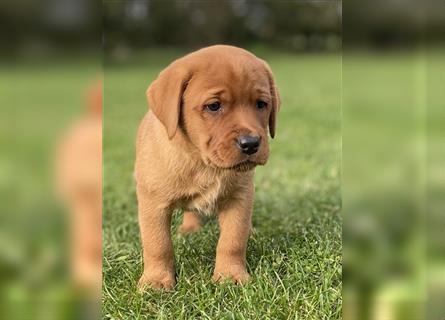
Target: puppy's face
(226, 114)
(228, 104)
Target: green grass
(295, 256)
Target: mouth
(244, 166)
(247, 164)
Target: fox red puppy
(207, 129)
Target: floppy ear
(276, 102)
(165, 96)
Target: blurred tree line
(29, 25)
(301, 25)
(393, 23)
(291, 24)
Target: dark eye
(261, 104)
(213, 107)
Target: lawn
(294, 257)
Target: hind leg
(190, 223)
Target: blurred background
(392, 160)
(50, 67)
(392, 127)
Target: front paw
(156, 280)
(236, 274)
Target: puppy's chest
(203, 194)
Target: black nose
(248, 144)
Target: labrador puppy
(196, 150)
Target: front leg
(154, 223)
(235, 225)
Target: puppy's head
(224, 100)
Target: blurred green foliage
(39, 101)
(393, 240)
